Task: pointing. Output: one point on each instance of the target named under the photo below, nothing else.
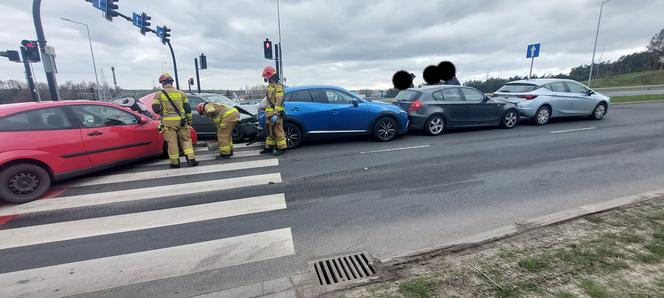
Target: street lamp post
(592, 63)
(92, 53)
(281, 68)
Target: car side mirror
(356, 102)
(485, 99)
(590, 92)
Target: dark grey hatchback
(434, 108)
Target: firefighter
(175, 111)
(225, 118)
(274, 114)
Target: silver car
(543, 99)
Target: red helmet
(201, 108)
(269, 72)
(165, 79)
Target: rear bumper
(416, 122)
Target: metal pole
(28, 75)
(92, 53)
(281, 68)
(189, 84)
(592, 62)
(277, 52)
(198, 79)
(46, 59)
(175, 65)
(115, 81)
(532, 61)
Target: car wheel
(238, 134)
(543, 115)
(435, 125)
(293, 134)
(599, 112)
(510, 119)
(23, 183)
(385, 129)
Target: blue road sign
(160, 31)
(137, 20)
(100, 4)
(533, 50)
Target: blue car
(324, 111)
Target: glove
(275, 118)
(222, 125)
(190, 120)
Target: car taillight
(527, 97)
(415, 105)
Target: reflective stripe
(230, 111)
(174, 157)
(267, 110)
(282, 142)
(270, 142)
(172, 118)
(279, 108)
(188, 151)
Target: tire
(599, 112)
(294, 136)
(385, 129)
(510, 119)
(543, 115)
(21, 183)
(435, 125)
(238, 134)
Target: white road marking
(206, 157)
(201, 149)
(222, 167)
(573, 130)
(137, 221)
(131, 195)
(396, 149)
(97, 274)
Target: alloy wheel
(543, 116)
(292, 136)
(386, 130)
(436, 125)
(511, 119)
(600, 111)
(23, 183)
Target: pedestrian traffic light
(145, 24)
(111, 8)
(203, 61)
(267, 48)
(31, 50)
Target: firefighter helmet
(269, 72)
(165, 79)
(201, 108)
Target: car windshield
(407, 95)
(220, 99)
(517, 88)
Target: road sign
(533, 50)
(137, 20)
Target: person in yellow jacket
(173, 106)
(225, 118)
(274, 114)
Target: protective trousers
(173, 134)
(225, 136)
(276, 136)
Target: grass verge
(620, 99)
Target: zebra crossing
(45, 249)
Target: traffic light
(164, 33)
(145, 24)
(203, 61)
(111, 8)
(11, 55)
(267, 48)
(31, 50)
(191, 81)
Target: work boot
(231, 153)
(192, 162)
(279, 152)
(221, 156)
(267, 151)
(175, 166)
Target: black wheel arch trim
(382, 115)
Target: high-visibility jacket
(275, 99)
(162, 106)
(221, 114)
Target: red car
(51, 141)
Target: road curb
(637, 102)
(520, 227)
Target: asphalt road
(341, 196)
(634, 91)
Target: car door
(346, 117)
(454, 107)
(309, 108)
(480, 111)
(581, 102)
(203, 125)
(110, 134)
(561, 100)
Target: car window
(407, 95)
(42, 119)
(556, 87)
(517, 88)
(336, 97)
(438, 95)
(221, 99)
(301, 96)
(575, 88)
(194, 101)
(472, 95)
(451, 94)
(100, 116)
(318, 95)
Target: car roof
(307, 87)
(541, 81)
(431, 88)
(12, 108)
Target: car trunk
(515, 92)
(405, 98)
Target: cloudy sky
(355, 44)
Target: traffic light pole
(28, 75)
(198, 79)
(46, 59)
(175, 66)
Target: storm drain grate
(344, 268)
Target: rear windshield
(408, 95)
(517, 88)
